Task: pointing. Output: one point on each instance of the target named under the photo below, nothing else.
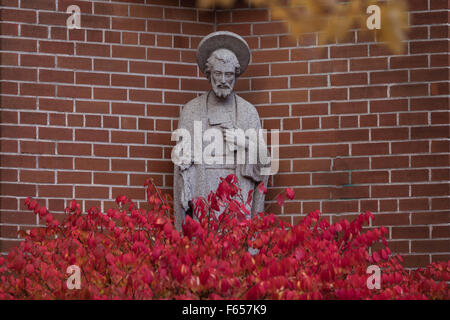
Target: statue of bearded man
(222, 56)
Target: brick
(250, 15)
(270, 56)
(363, 177)
(74, 92)
(108, 150)
(196, 28)
(163, 26)
(89, 49)
(309, 54)
(74, 149)
(433, 17)
(429, 104)
(145, 152)
(430, 161)
(56, 76)
(54, 162)
(348, 107)
(404, 62)
(75, 63)
(177, 97)
(26, 16)
(439, 88)
(20, 74)
(413, 118)
(292, 179)
(110, 178)
(441, 231)
(370, 149)
(10, 58)
(56, 47)
(74, 177)
(37, 176)
(91, 192)
(440, 174)
(18, 190)
(272, 83)
(368, 92)
(9, 117)
(16, 161)
(127, 165)
(414, 204)
(328, 94)
(439, 60)
(91, 135)
(291, 124)
(270, 28)
(328, 66)
(430, 246)
(146, 11)
(388, 77)
(389, 134)
(37, 89)
(433, 46)
(339, 206)
(330, 178)
(390, 162)
(310, 123)
(347, 79)
(349, 51)
(391, 219)
(91, 164)
(420, 190)
(308, 81)
(368, 64)
(37, 147)
(431, 217)
(388, 105)
(127, 137)
(55, 133)
(311, 165)
(390, 191)
(11, 44)
(409, 175)
(33, 31)
(163, 54)
(128, 24)
(349, 192)
(347, 163)
(332, 150)
(430, 132)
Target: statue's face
(222, 78)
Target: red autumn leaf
(262, 188)
(290, 194)
(280, 199)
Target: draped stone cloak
(192, 180)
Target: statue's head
(221, 69)
(223, 56)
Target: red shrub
(130, 253)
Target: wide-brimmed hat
(223, 40)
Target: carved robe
(193, 180)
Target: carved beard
(221, 90)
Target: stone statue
(222, 56)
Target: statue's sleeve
(254, 171)
(182, 188)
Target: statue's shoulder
(248, 107)
(194, 106)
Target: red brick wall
(88, 113)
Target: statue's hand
(230, 139)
